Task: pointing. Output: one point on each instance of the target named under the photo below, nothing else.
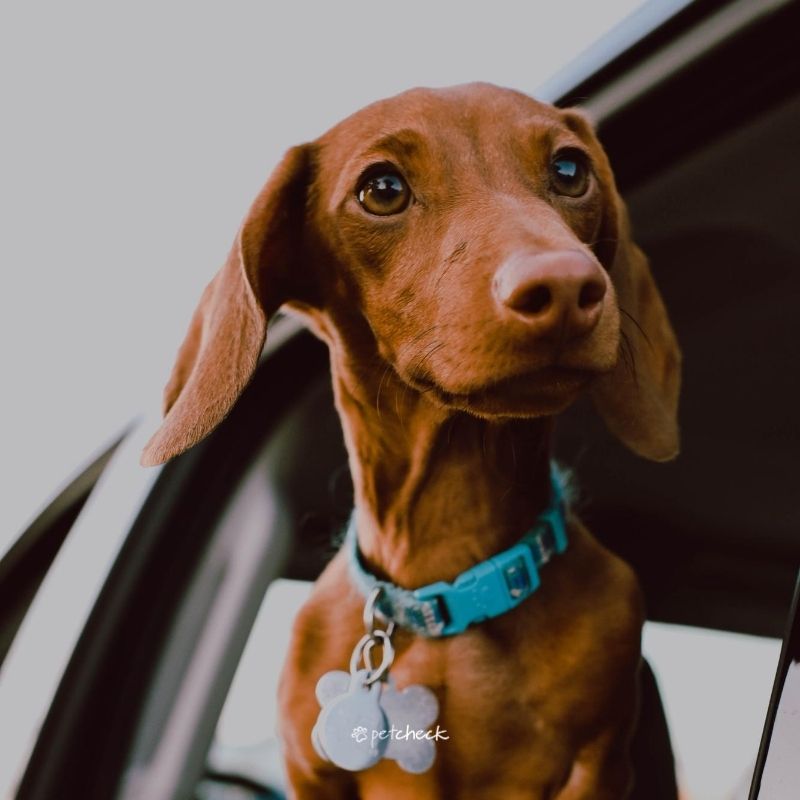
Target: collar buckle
(492, 588)
(487, 590)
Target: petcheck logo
(361, 734)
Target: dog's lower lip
(553, 377)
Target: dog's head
(470, 239)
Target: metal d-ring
(358, 651)
(371, 611)
(363, 650)
(387, 656)
(373, 636)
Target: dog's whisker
(638, 326)
(397, 411)
(605, 240)
(386, 370)
(630, 357)
(625, 351)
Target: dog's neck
(437, 491)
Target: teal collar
(487, 590)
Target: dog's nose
(560, 290)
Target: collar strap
(487, 590)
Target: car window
(26, 562)
(715, 687)
(782, 769)
(778, 770)
(246, 743)
(64, 596)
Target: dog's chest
(519, 709)
(519, 695)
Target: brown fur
(447, 400)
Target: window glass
(715, 688)
(246, 741)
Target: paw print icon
(359, 734)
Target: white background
(134, 137)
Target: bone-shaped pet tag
(409, 713)
(350, 712)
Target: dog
(466, 257)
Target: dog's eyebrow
(548, 130)
(403, 143)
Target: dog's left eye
(569, 173)
(383, 192)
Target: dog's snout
(560, 290)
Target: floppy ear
(228, 329)
(638, 399)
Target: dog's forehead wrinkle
(405, 142)
(457, 251)
(430, 113)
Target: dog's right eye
(569, 173)
(383, 192)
